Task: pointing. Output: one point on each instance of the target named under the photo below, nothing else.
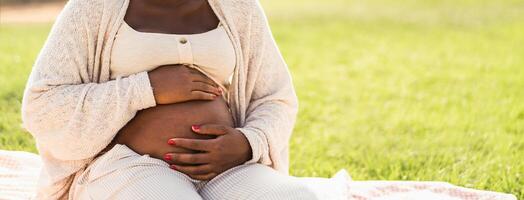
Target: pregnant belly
(149, 131)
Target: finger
(211, 129)
(193, 170)
(204, 87)
(203, 78)
(194, 144)
(188, 158)
(204, 177)
(195, 94)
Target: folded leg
(255, 182)
(123, 174)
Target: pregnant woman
(162, 99)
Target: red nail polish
(171, 142)
(172, 167)
(195, 127)
(167, 157)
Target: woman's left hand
(229, 149)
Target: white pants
(121, 173)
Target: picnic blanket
(19, 172)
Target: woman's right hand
(179, 83)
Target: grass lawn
(389, 90)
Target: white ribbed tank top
(210, 52)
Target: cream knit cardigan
(73, 109)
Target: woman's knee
(122, 174)
(148, 184)
(256, 182)
(159, 186)
(289, 190)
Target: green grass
(19, 45)
(389, 90)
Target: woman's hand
(229, 149)
(178, 83)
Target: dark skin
(191, 128)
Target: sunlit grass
(19, 45)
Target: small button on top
(183, 40)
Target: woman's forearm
(71, 112)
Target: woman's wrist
(247, 154)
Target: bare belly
(149, 131)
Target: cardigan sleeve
(273, 104)
(68, 114)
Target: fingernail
(170, 141)
(168, 157)
(172, 167)
(195, 127)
